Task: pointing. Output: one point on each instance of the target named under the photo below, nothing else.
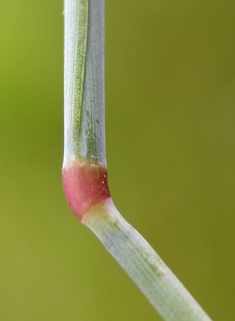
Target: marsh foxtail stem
(85, 172)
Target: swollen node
(85, 185)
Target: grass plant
(85, 171)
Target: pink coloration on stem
(85, 185)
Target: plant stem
(160, 286)
(84, 167)
(84, 128)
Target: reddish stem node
(85, 186)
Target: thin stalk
(85, 171)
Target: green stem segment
(160, 286)
(84, 167)
(84, 128)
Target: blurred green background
(170, 114)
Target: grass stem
(84, 167)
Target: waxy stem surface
(84, 166)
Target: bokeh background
(170, 114)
